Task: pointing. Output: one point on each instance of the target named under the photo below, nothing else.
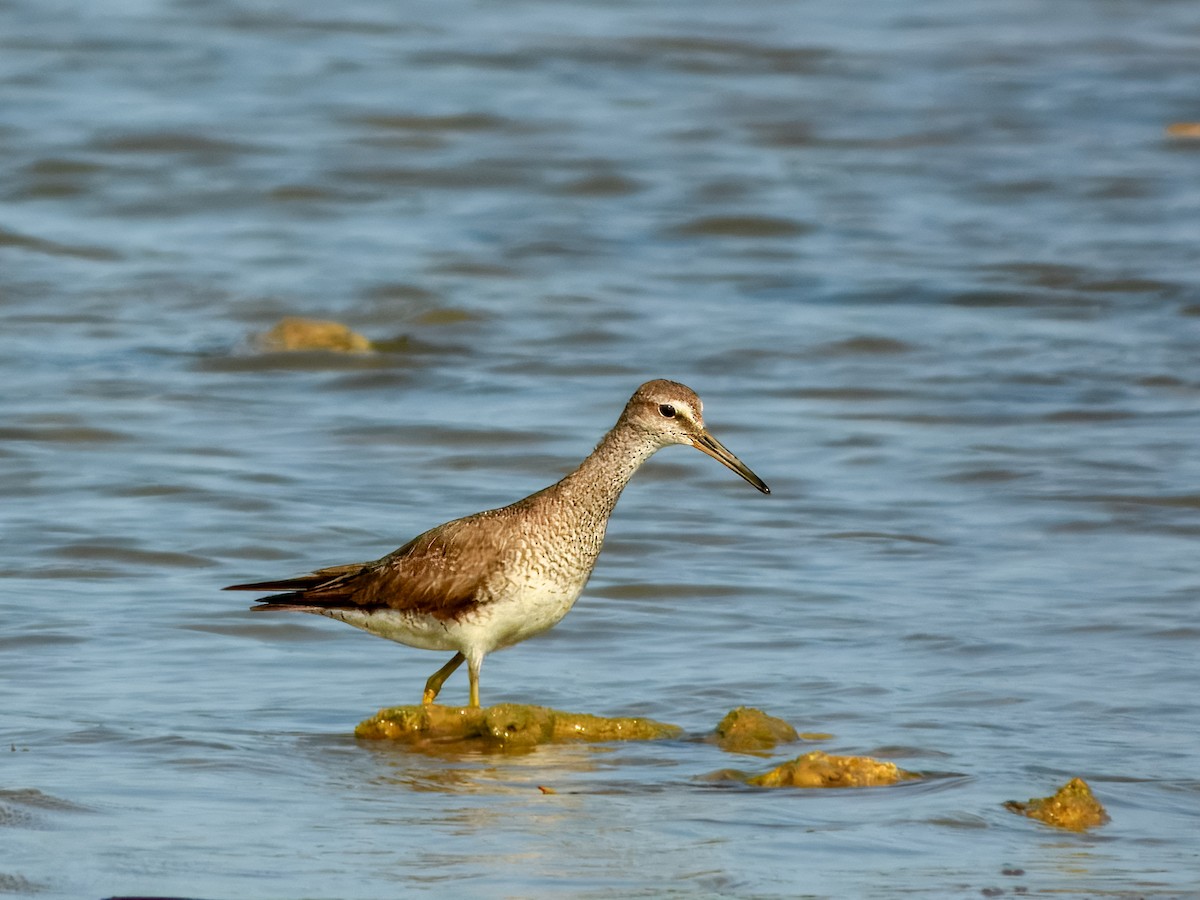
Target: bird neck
(597, 483)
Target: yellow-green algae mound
(749, 730)
(294, 333)
(822, 770)
(1072, 807)
(504, 725)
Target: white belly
(494, 624)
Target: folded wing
(442, 573)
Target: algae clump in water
(294, 333)
(822, 770)
(1073, 807)
(506, 725)
(749, 730)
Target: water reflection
(451, 768)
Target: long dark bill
(706, 443)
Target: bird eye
(667, 410)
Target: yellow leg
(438, 678)
(473, 673)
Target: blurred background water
(933, 267)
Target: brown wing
(441, 572)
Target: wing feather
(442, 572)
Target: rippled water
(933, 268)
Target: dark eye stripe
(667, 410)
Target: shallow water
(933, 269)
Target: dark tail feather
(308, 593)
(292, 598)
(320, 578)
(278, 602)
(303, 583)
